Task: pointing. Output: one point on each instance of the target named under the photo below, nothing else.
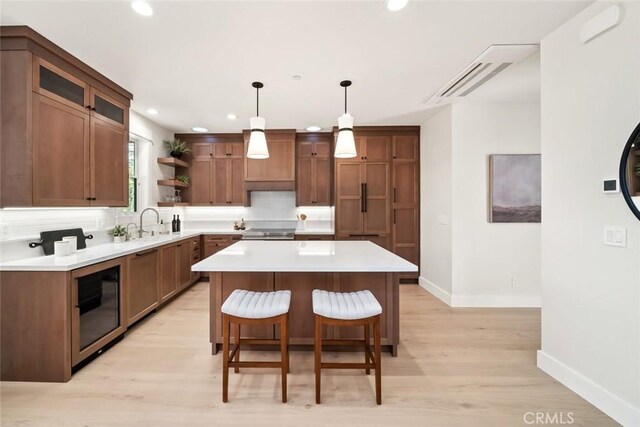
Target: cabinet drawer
(216, 239)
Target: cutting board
(47, 239)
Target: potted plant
(183, 179)
(119, 234)
(176, 147)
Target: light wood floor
(456, 367)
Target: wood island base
(301, 318)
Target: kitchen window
(132, 158)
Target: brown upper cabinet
(216, 171)
(278, 171)
(64, 127)
(313, 169)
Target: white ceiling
(195, 61)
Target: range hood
(276, 173)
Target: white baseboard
(435, 290)
(618, 409)
(479, 300)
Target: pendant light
(346, 144)
(257, 140)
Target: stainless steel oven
(97, 308)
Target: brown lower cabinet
(314, 237)
(142, 284)
(214, 243)
(301, 285)
(40, 318)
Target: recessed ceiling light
(231, 116)
(142, 7)
(297, 77)
(314, 129)
(199, 129)
(152, 111)
(395, 5)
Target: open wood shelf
(171, 204)
(172, 183)
(172, 161)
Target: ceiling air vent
(490, 63)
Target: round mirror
(630, 172)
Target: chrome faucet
(141, 230)
(128, 232)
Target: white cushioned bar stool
(254, 308)
(348, 309)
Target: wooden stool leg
(237, 342)
(288, 365)
(283, 355)
(318, 356)
(378, 362)
(226, 332)
(367, 344)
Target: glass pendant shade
(346, 144)
(257, 140)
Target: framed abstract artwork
(515, 190)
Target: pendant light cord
(257, 102)
(345, 99)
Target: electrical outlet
(4, 231)
(514, 282)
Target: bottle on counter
(178, 226)
(242, 224)
(174, 225)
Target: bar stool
(348, 309)
(254, 308)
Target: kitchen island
(301, 267)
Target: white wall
(487, 257)
(468, 261)
(435, 202)
(590, 292)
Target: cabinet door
(236, 150)
(201, 150)
(322, 149)
(406, 210)
(305, 149)
(377, 207)
(220, 150)
(109, 171)
(168, 271)
(304, 182)
(109, 109)
(60, 154)
(377, 148)
(201, 172)
(405, 147)
(236, 191)
(220, 181)
(349, 204)
(185, 256)
(56, 84)
(322, 181)
(142, 284)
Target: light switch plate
(615, 236)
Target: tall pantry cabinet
(377, 193)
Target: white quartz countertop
(93, 254)
(303, 256)
(107, 251)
